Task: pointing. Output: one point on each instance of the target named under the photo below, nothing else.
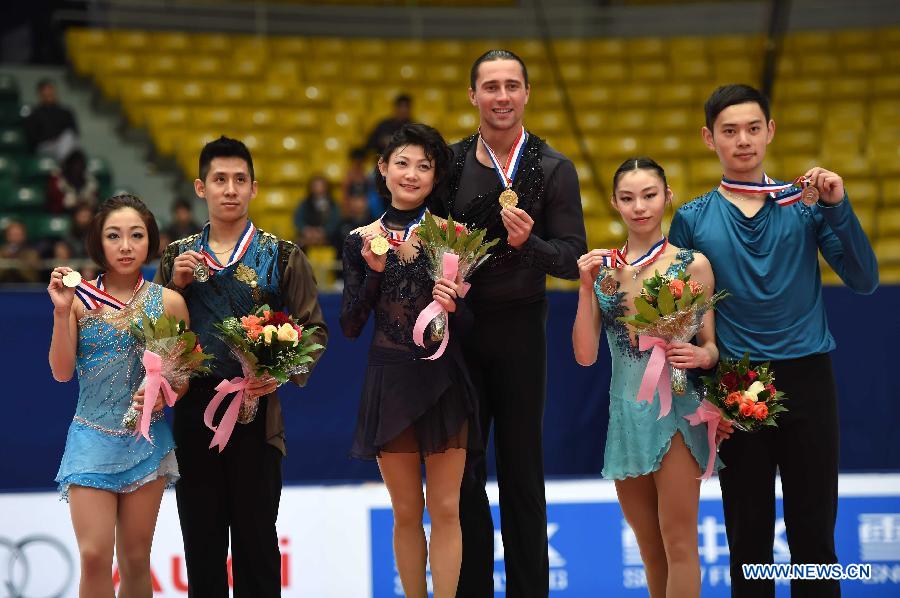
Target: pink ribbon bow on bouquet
(656, 375)
(707, 412)
(434, 309)
(222, 432)
(153, 385)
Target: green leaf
(686, 299)
(665, 300)
(645, 309)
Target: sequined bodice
(109, 359)
(628, 363)
(405, 290)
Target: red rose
(730, 382)
(459, 229)
(299, 329)
(277, 318)
(676, 287)
(760, 411)
(749, 377)
(771, 389)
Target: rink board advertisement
(336, 542)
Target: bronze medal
(608, 285)
(509, 198)
(379, 245)
(810, 195)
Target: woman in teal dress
(113, 480)
(655, 462)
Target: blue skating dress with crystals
(99, 452)
(636, 440)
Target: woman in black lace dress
(412, 410)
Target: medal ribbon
(396, 238)
(239, 249)
(784, 194)
(94, 297)
(648, 258)
(508, 173)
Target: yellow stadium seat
(316, 95)
(174, 42)
(851, 39)
(130, 41)
(645, 48)
(862, 62)
(690, 68)
(404, 72)
(887, 250)
(573, 73)
(798, 140)
(143, 91)
(286, 172)
(545, 97)
(79, 40)
(277, 200)
(731, 68)
(655, 70)
(886, 86)
(231, 92)
(184, 92)
(804, 88)
(351, 98)
(888, 166)
(890, 193)
(328, 47)
(258, 142)
(665, 146)
(250, 67)
(734, 45)
(591, 96)
(549, 121)
(367, 72)
(844, 137)
(282, 46)
(324, 71)
(862, 192)
(846, 112)
(298, 119)
(891, 60)
(635, 95)
(212, 117)
(273, 93)
(446, 74)
(164, 65)
(434, 97)
(570, 50)
(634, 120)
(847, 163)
(786, 67)
(449, 50)
(115, 64)
(262, 117)
(808, 41)
(408, 49)
(203, 66)
(800, 114)
(606, 49)
(850, 88)
(683, 47)
(676, 119)
(607, 71)
(819, 64)
(210, 44)
(282, 227)
(704, 172)
(866, 217)
(676, 94)
(293, 144)
(794, 166)
(889, 274)
(593, 122)
(369, 48)
(615, 147)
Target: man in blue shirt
(763, 245)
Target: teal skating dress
(99, 452)
(636, 441)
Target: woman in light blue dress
(113, 480)
(655, 462)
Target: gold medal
(810, 195)
(509, 199)
(71, 280)
(379, 245)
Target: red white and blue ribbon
(648, 258)
(396, 238)
(615, 259)
(240, 248)
(94, 297)
(507, 173)
(784, 194)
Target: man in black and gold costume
(230, 269)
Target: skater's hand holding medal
(374, 251)
(63, 281)
(822, 185)
(589, 266)
(188, 267)
(516, 220)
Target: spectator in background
(50, 128)
(82, 218)
(356, 214)
(71, 185)
(359, 181)
(383, 131)
(182, 224)
(17, 247)
(318, 217)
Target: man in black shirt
(50, 128)
(541, 230)
(381, 134)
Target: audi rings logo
(36, 567)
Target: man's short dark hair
(730, 95)
(182, 202)
(224, 147)
(495, 55)
(44, 82)
(403, 98)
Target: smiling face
(408, 175)
(739, 137)
(640, 198)
(227, 189)
(500, 94)
(125, 241)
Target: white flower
(754, 390)
(286, 332)
(268, 331)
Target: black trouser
(237, 490)
(804, 448)
(507, 357)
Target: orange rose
(696, 287)
(676, 287)
(747, 408)
(760, 411)
(249, 322)
(733, 397)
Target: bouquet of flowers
(172, 355)
(744, 395)
(669, 308)
(452, 251)
(265, 342)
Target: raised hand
(375, 262)
(829, 184)
(589, 266)
(61, 295)
(183, 268)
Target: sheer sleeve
(362, 286)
